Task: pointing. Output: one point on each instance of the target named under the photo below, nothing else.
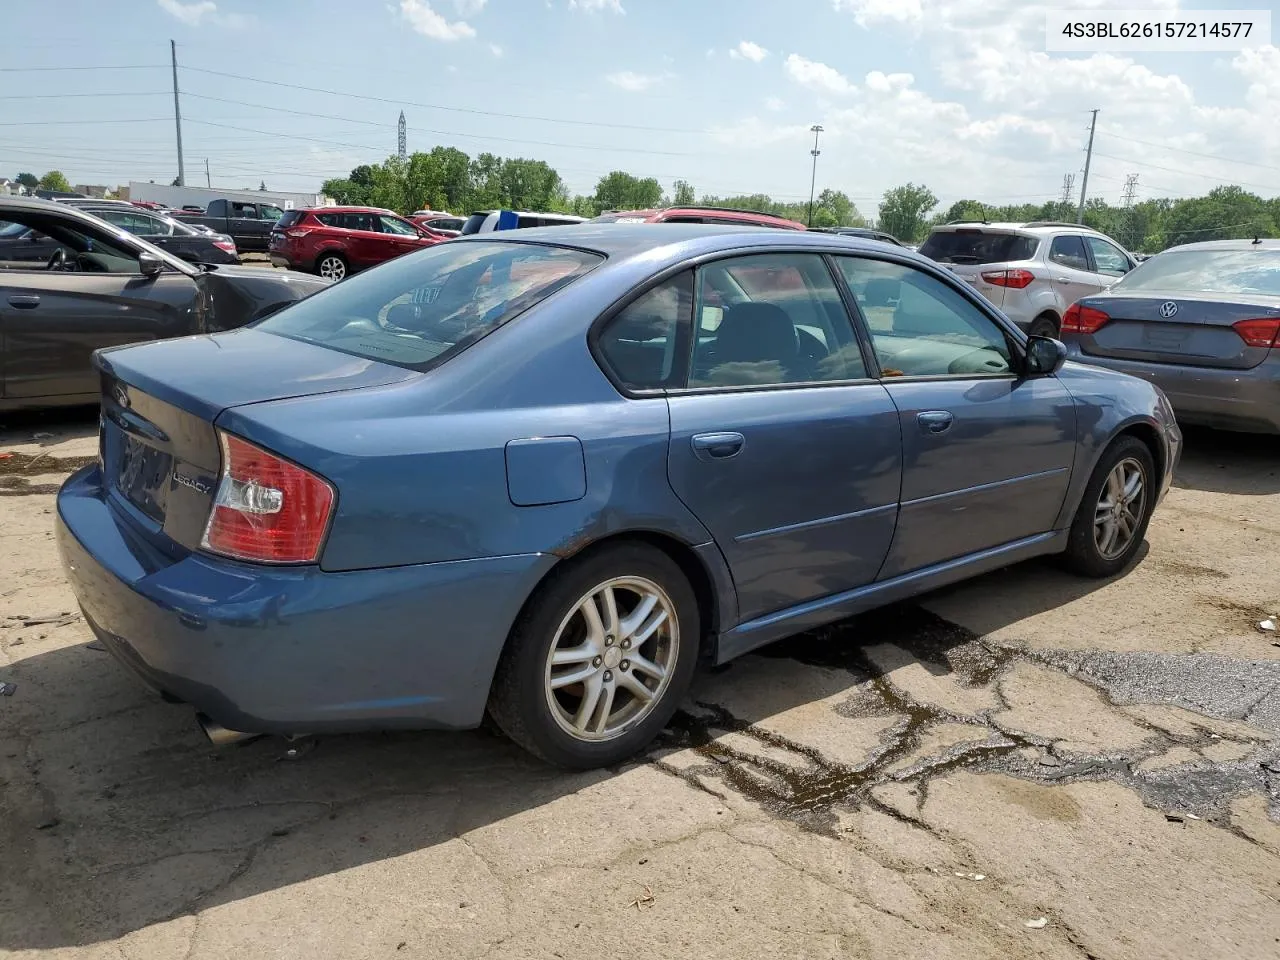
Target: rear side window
(977, 246)
(1208, 271)
(645, 342)
(1069, 251)
(474, 223)
(420, 310)
(293, 216)
(358, 221)
(328, 219)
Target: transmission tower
(1130, 188)
(404, 138)
(1131, 238)
(1068, 188)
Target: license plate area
(143, 476)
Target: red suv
(336, 241)
(721, 215)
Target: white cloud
(867, 12)
(594, 6)
(496, 50)
(469, 8)
(746, 50)
(817, 76)
(195, 12)
(634, 82)
(773, 104)
(419, 15)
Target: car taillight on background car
(297, 233)
(1009, 278)
(266, 509)
(1080, 319)
(226, 246)
(1261, 332)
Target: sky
(959, 95)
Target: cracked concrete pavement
(922, 781)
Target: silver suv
(1031, 271)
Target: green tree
(28, 180)
(833, 208)
(682, 194)
(528, 184)
(620, 190)
(344, 191)
(904, 209)
(962, 210)
(55, 180)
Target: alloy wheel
(1119, 510)
(333, 268)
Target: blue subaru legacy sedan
(545, 475)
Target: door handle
(24, 302)
(935, 421)
(1063, 279)
(718, 446)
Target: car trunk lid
(160, 454)
(1183, 329)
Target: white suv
(1031, 271)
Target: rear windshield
(419, 310)
(1208, 271)
(977, 246)
(290, 218)
(474, 223)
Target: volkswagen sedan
(546, 473)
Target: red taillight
(266, 509)
(226, 246)
(297, 232)
(1080, 319)
(1009, 278)
(1261, 332)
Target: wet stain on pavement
(18, 469)
(795, 781)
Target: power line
(122, 66)
(438, 106)
(67, 96)
(1188, 173)
(1194, 153)
(43, 123)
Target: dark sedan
(181, 239)
(1202, 321)
(98, 286)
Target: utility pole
(1068, 188)
(177, 112)
(813, 180)
(404, 138)
(207, 181)
(1088, 157)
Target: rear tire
(600, 659)
(1045, 325)
(332, 266)
(1112, 518)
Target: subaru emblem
(1168, 309)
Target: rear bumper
(283, 260)
(1246, 400)
(293, 650)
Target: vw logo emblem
(1168, 309)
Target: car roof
(1249, 244)
(1035, 228)
(626, 240)
(529, 213)
(344, 209)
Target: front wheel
(1113, 515)
(331, 267)
(600, 659)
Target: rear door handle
(935, 421)
(24, 302)
(1063, 279)
(718, 446)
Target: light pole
(816, 129)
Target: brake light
(1086, 320)
(297, 232)
(1009, 278)
(1261, 332)
(266, 509)
(226, 246)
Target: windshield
(12, 229)
(977, 246)
(1208, 271)
(474, 223)
(419, 310)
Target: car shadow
(48, 428)
(124, 810)
(1218, 461)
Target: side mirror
(149, 265)
(1045, 356)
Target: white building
(178, 197)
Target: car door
(781, 443)
(366, 243)
(986, 452)
(1110, 263)
(1071, 269)
(398, 236)
(52, 321)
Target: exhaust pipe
(220, 736)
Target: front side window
(245, 211)
(1068, 250)
(52, 243)
(644, 343)
(269, 211)
(396, 226)
(771, 319)
(1106, 258)
(420, 310)
(922, 327)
